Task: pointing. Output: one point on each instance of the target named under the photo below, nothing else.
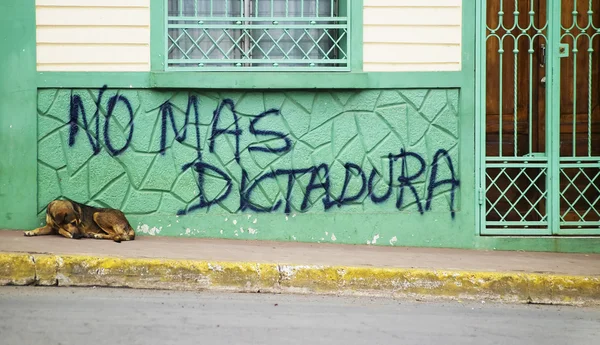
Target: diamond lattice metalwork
(257, 35)
(519, 194)
(580, 195)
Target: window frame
(246, 25)
(159, 42)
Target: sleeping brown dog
(74, 220)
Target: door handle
(543, 47)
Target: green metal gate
(538, 135)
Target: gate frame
(552, 118)
(552, 88)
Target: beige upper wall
(93, 35)
(412, 35)
(114, 35)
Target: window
(257, 35)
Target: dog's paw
(98, 236)
(28, 233)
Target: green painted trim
(18, 115)
(158, 39)
(467, 148)
(540, 244)
(295, 80)
(356, 35)
(252, 80)
(93, 79)
(553, 115)
(480, 94)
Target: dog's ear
(59, 217)
(77, 211)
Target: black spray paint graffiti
(77, 107)
(319, 174)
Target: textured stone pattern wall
(186, 155)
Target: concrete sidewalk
(184, 263)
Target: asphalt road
(91, 316)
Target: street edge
(169, 274)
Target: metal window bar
(197, 42)
(256, 35)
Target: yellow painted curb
(163, 274)
(16, 269)
(71, 270)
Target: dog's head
(66, 215)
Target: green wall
(18, 166)
(377, 166)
